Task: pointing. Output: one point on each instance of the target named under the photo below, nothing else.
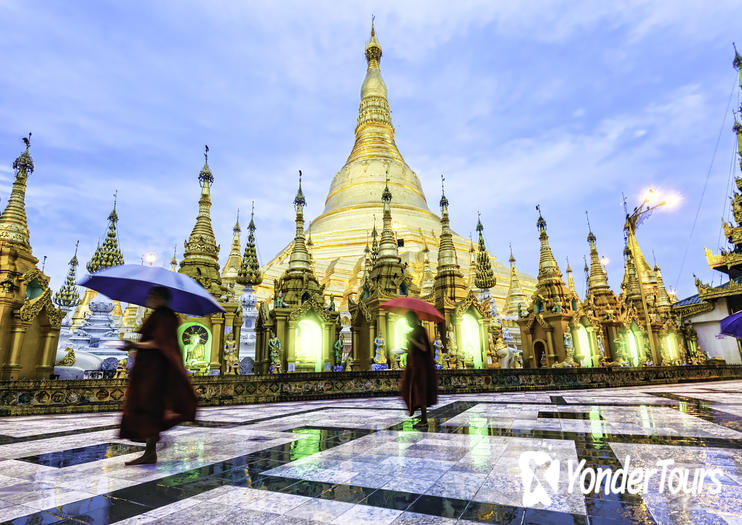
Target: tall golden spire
(597, 280)
(516, 300)
(249, 274)
(108, 254)
(299, 259)
(201, 254)
(571, 280)
(484, 276)
(447, 257)
(449, 280)
(68, 295)
(388, 250)
(174, 261)
(630, 290)
(298, 282)
(549, 282)
(374, 132)
(232, 265)
(13, 224)
(663, 298)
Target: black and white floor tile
(364, 461)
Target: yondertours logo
(540, 473)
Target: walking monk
(419, 385)
(159, 394)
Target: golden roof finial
(373, 49)
(249, 273)
(13, 224)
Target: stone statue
(274, 349)
(331, 307)
(279, 302)
(567, 337)
(380, 354)
(338, 347)
(601, 348)
(232, 361)
(451, 346)
(438, 349)
(506, 357)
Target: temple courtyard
(483, 458)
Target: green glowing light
(596, 424)
(583, 341)
(308, 445)
(670, 342)
(633, 348)
(309, 343)
(470, 339)
(401, 329)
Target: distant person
(159, 394)
(419, 385)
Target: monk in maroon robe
(419, 384)
(159, 394)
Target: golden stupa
(353, 208)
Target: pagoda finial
(512, 258)
(299, 200)
(108, 254)
(386, 195)
(237, 228)
(249, 273)
(444, 200)
(205, 175)
(737, 58)
(373, 49)
(590, 235)
(68, 295)
(13, 224)
(540, 223)
(174, 260)
(485, 276)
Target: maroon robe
(159, 394)
(419, 384)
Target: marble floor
(525, 457)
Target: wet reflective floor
(659, 454)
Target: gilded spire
(485, 277)
(446, 251)
(249, 273)
(108, 254)
(449, 280)
(630, 285)
(516, 300)
(201, 254)
(234, 261)
(374, 132)
(388, 249)
(374, 243)
(13, 224)
(174, 260)
(663, 298)
(597, 278)
(549, 283)
(299, 259)
(571, 280)
(68, 295)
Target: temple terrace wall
(26, 397)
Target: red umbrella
(424, 311)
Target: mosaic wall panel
(24, 397)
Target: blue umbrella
(732, 325)
(131, 283)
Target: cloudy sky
(563, 103)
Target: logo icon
(537, 468)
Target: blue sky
(567, 104)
